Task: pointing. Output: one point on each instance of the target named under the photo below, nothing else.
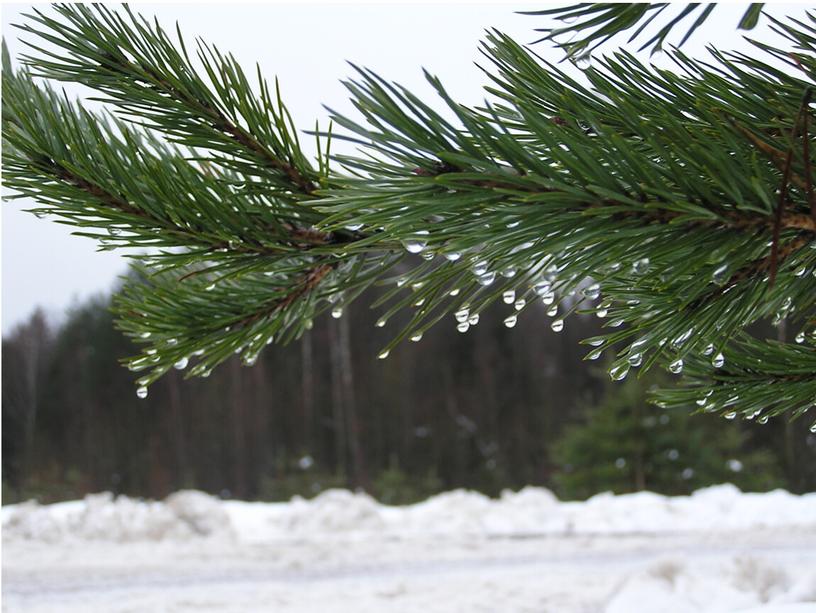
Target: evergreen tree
(678, 205)
(625, 445)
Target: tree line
(487, 409)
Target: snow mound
(182, 515)
(529, 512)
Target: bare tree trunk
(338, 413)
(307, 391)
(360, 476)
(238, 432)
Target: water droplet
(250, 359)
(635, 359)
(680, 340)
(800, 338)
(641, 266)
(513, 224)
(801, 272)
(452, 256)
(596, 342)
(701, 402)
(337, 312)
(508, 296)
(615, 323)
(487, 278)
(427, 255)
(463, 327)
(593, 291)
(401, 281)
(557, 325)
(542, 288)
(141, 392)
(602, 312)
(462, 315)
(551, 312)
(677, 366)
(171, 341)
(763, 420)
(709, 349)
(813, 428)
(510, 320)
(730, 415)
(114, 231)
(380, 323)
(508, 273)
(419, 302)
(594, 354)
(520, 304)
(548, 297)
(718, 360)
(353, 227)
(383, 354)
(144, 335)
(619, 372)
(454, 292)
(181, 364)
(417, 243)
(473, 319)
(479, 268)
(720, 275)
(210, 287)
(417, 337)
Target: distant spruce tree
(678, 205)
(626, 445)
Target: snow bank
(529, 512)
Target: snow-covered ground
(718, 550)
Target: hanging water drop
(593, 291)
(479, 268)
(615, 323)
(548, 297)
(508, 296)
(427, 255)
(619, 372)
(487, 278)
(800, 338)
(763, 420)
(337, 312)
(141, 392)
(462, 315)
(144, 335)
(401, 281)
(452, 256)
(416, 337)
(676, 367)
(417, 243)
(718, 360)
(114, 231)
(557, 325)
(709, 349)
(473, 319)
(520, 304)
(730, 415)
(354, 227)
(552, 311)
(510, 320)
(720, 275)
(463, 327)
(541, 288)
(635, 359)
(813, 427)
(508, 272)
(641, 266)
(594, 354)
(210, 287)
(380, 323)
(181, 364)
(383, 354)
(454, 292)
(680, 340)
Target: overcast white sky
(306, 45)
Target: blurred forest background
(490, 409)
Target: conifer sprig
(649, 197)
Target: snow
(717, 550)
